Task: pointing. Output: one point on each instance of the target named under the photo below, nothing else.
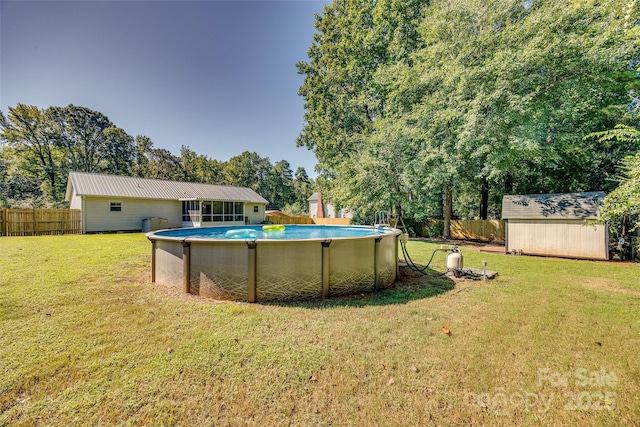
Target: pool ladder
(384, 219)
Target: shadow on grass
(410, 286)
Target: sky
(217, 76)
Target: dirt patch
(171, 292)
(605, 285)
(405, 273)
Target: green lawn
(86, 339)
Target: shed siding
(562, 238)
(98, 217)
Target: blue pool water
(291, 232)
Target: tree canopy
(407, 101)
(621, 208)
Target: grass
(87, 340)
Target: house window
(256, 209)
(191, 211)
(206, 211)
(228, 211)
(217, 211)
(115, 206)
(238, 208)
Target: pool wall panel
(289, 271)
(219, 269)
(387, 262)
(351, 266)
(169, 263)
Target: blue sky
(218, 76)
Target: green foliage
(621, 208)
(295, 210)
(407, 99)
(33, 161)
(302, 190)
(41, 146)
(362, 165)
(247, 170)
(279, 185)
(90, 142)
(200, 168)
(432, 228)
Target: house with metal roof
(562, 225)
(124, 203)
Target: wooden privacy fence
(332, 221)
(285, 219)
(478, 229)
(37, 222)
(289, 219)
(475, 229)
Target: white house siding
(313, 209)
(75, 202)
(98, 217)
(562, 238)
(254, 217)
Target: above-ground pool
(256, 263)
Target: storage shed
(124, 203)
(556, 225)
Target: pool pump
(454, 259)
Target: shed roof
(553, 206)
(100, 185)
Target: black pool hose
(412, 265)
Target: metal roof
(99, 185)
(553, 206)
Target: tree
(143, 146)
(465, 100)
(161, 164)
(16, 186)
(302, 190)
(247, 170)
(119, 152)
(344, 101)
(82, 137)
(31, 135)
(39, 147)
(279, 185)
(521, 96)
(199, 168)
(621, 209)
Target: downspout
(82, 215)
(506, 235)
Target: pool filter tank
(454, 259)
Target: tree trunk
(508, 183)
(448, 213)
(484, 199)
